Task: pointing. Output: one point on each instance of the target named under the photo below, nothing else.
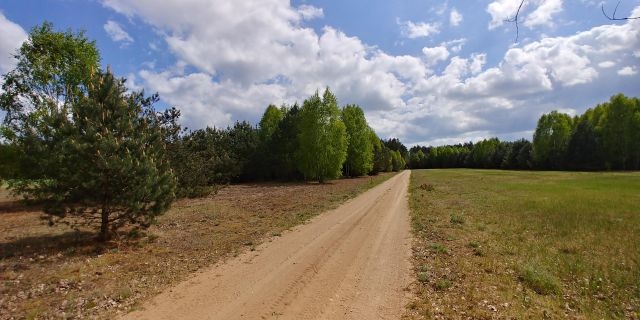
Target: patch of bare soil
(53, 272)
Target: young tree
(323, 139)
(360, 150)
(88, 150)
(109, 159)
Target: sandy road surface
(348, 263)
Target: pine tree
(286, 143)
(109, 159)
(265, 161)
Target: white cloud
(455, 17)
(441, 8)
(456, 44)
(11, 37)
(220, 77)
(276, 55)
(628, 71)
(414, 30)
(501, 10)
(606, 64)
(542, 15)
(570, 111)
(116, 33)
(478, 61)
(309, 12)
(435, 54)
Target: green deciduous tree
(487, 154)
(417, 159)
(269, 122)
(322, 138)
(360, 149)
(394, 144)
(397, 161)
(583, 151)
(52, 72)
(518, 155)
(550, 140)
(620, 132)
(53, 68)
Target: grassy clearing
(51, 272)
(526, 244)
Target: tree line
(78, 142)
(313, 141)
(606, 137)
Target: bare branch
(515, 19)
(613, 17)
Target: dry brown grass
(52, 272)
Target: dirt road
(348, 263)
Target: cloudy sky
(428, 72)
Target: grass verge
(525, 244)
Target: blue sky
(428, 72)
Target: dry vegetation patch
(525, 245)
(52, 272)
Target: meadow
(525, 244)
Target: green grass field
(528, 244)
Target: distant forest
(315, 141)
(606, 137)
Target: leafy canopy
(360, 150)
(322, 138)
